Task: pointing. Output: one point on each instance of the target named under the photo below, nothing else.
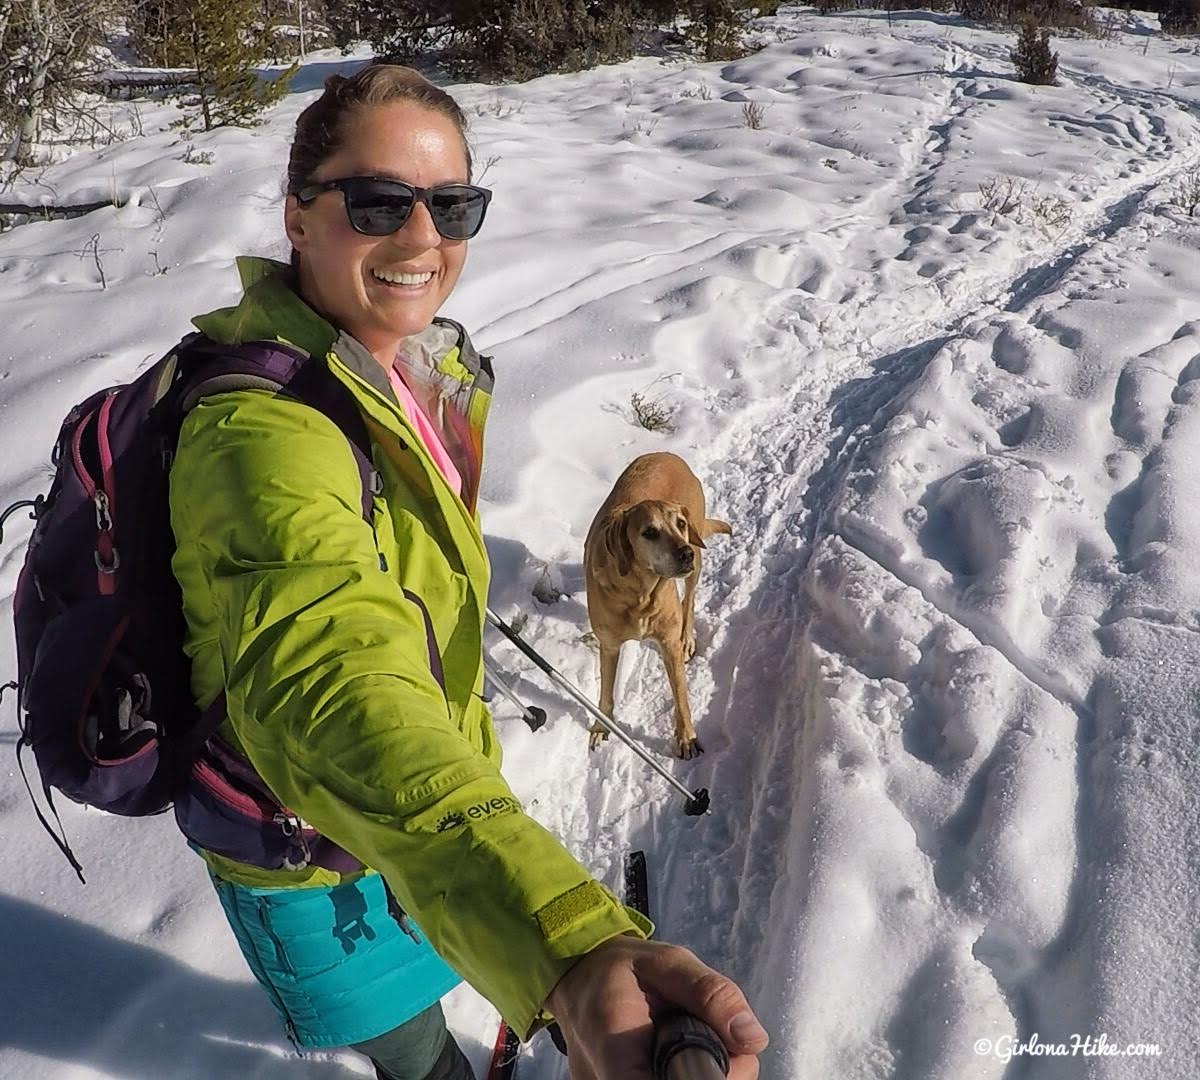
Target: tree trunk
(201, 76)
(40, 54)
(6, 10)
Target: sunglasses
(377, 207)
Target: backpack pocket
(225, 808)
(89, 721)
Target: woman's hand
(603, 1005)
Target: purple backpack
(103, 683)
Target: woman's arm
(330, 692)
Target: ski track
(764, 745)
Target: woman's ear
(616, 542)
(292, 221)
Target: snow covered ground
(948, 673)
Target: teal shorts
(338, 966)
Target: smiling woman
(379, 283)
(350, 808)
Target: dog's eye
(650, 532)
(680, 524)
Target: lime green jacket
(324, 660)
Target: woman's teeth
(402, 279)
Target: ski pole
(686, 1048)
(697, 801)
(531, 714)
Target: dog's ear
(694, 537)
(616, 542)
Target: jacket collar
(271, 310)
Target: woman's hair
(320, 128)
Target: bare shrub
(1003, 195)
(652, 413)
(1019, 199)
(1186, 193)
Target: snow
(947, 672)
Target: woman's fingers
(605, 1002)
(677, 976)
(743, 1068)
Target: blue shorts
(336, 964)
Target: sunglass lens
(377, 210)
(458, 211)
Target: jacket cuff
(572, 925)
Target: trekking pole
(531, 714)
(697, 801)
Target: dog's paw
(597, 736)
(688, 748)
(689, 645)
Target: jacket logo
(502, 804)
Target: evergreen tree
(1179, 16)
(716, 27)
(1034, 61)
(222, 40)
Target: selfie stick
(686, 1048)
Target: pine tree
(222, 40)
(717, 27)
(1034, 61)
(1180, 16)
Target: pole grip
(686, 1048)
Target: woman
(348, 646)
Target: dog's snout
(685, 554)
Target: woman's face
(339, 267)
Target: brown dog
(648, 533)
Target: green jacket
(324, 660)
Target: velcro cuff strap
(582, 917)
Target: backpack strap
(61, 841)
(211, 368)
(206, 367)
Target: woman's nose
(419, 230)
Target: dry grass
(753, 113)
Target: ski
(637, 891)
(508, 1047)
(504, 1054)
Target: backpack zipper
(106, 556)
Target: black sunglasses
(377, 207)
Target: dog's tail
(712, 526)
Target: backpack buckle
(107, 568)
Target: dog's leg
(686, 744)
(609, 655)
(689, 601)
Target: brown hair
(319, 128)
